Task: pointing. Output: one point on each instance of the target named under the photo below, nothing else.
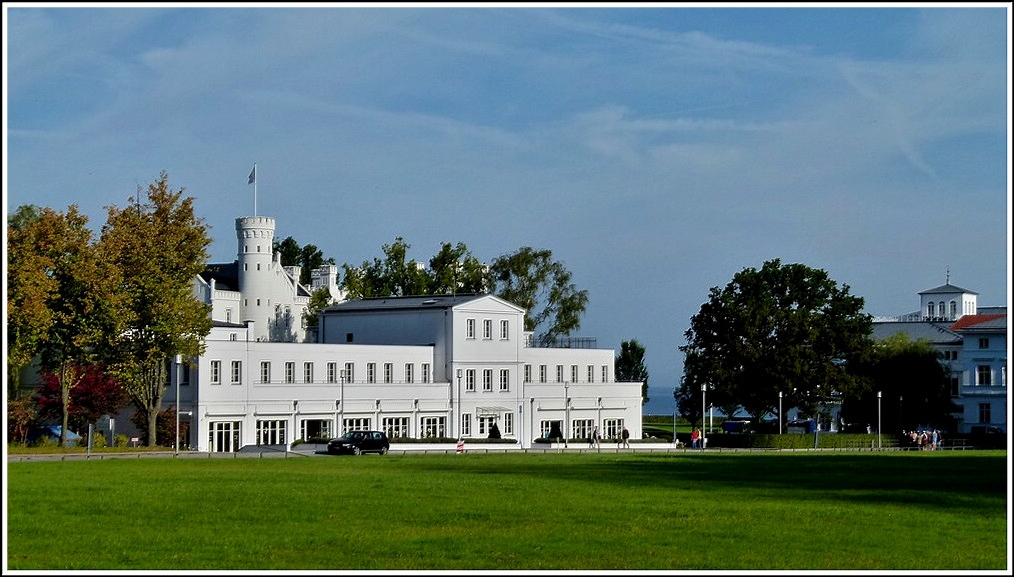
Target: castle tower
(256, 237)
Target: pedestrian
(626, 436)
(695, 438)
(933, 441)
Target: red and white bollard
(461, 446)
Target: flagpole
(253, 180)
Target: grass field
(780, 511)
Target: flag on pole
(253, 176)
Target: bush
(121, 440)
(98, 440)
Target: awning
(490, 411)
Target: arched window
(954, 310)
(943, 311)
(930, 309)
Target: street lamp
(176, 442)
(779, 412)
(566, 412)
(879, 445)
(704, 409)
(341, 397)
(460, 432)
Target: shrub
(121, 440)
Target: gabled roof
(949, 289)
(933, 332)
(980, 322)
(410, 303)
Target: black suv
(359, 442)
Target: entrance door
(223, 436)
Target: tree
(914, 387)
(319, 300)
(393, 276)
(62, 306)
(159, 247)
(630, 366)
(308, 258)
(455, 270)
(688, 403)
(21, 413)
(96, 395)
(531, 279)
(29, 288)
(784, 328)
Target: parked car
(359, 442)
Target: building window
(505, 379)
(559, 373)
(508, 424)
(466, 424)
(591, 373)
(605, 373)
(983, 342)
(271, 432)
(984, 377)
(528, 373)
(371, 372)
(487, 329)
(612, 428)
(505, 330)
(485, 424)
(395, 426)
(232, 336)
(470, 380)
(581, 428)
(307, 372)
(955, 386)
(954, 310)
(426, 372)
(316, 429)
(573, 373)
(930, 310)
(350, 374)
(487, 379)
(236, 372)
(409, 373)
(469, 328)
(362, 424)
(216, 372)
(290, 372)
(542, 373)
(265, 371)
(388, 372)
(433, 427)
(332, 372)
(228, 315)
(985, 413)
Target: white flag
(253, 175)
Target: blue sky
(656, 151)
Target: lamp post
(779, 412)
(459, 403)
(879, 445)
(566, 412)
(704, 410)
(341, 399)
(176, 442)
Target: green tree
(396, 275)
(784, 328)
(630, 366)
(29, 289)
(914, 385)
(454, 269)
(319, 300)
(308, 258)
(62, 290)
(689, 403)
(159, 247)
(532, 280)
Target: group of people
(622, 439)
(925, 440)
(696, 439)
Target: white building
(447, 366)
(973, 343)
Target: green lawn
(769, 511)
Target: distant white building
(448, 366)
(973, 342)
